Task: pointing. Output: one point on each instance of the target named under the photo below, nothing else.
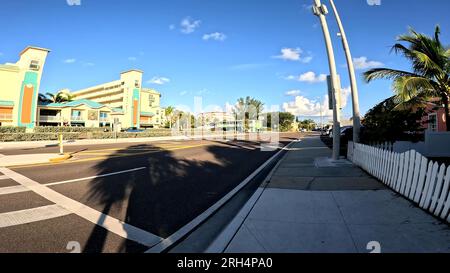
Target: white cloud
(309, 77)
(303, 106)
(159, 80)
(188, 25)
(216, 36)
(132, 59)
(293, 93)
(364, 63)
(69, 61)
(182, 93)
(293, 54)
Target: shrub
(9, 137)
(54, 129)
(11, 129)
(88, 134)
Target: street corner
(61, 158)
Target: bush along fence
(410, 174)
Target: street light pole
(320, 11)
(351, 72)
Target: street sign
(330, 92)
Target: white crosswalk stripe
(27, 216)
(111, 224)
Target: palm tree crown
(429, 78)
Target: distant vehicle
(134, 130)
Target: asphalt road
(157, 188)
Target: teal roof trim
(76, 103)
(6, 103)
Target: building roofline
(34, 47)
(132, 70)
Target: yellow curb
(61, 158)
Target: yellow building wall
(132, 92)
(12, 77)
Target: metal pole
(320, 11)
(61, 145)
(351, 72)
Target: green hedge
(11, 129)
(9, 137)
(54, 129)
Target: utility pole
(351, 72)
(320, 11)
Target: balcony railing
(50, 118)
(76, 118)
(6, 116)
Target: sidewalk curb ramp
(61, 158)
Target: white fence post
(410, 174)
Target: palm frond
(408, 88)
(386, 73)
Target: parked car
(134, 130)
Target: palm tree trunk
(447, 112)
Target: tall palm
(429, 78)
(60, 97)
(42, 98)
(247, 109)
(169, 114)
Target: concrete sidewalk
(29, 159)
(310, 205)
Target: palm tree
(430, 76)
(60, 97)
(42, 98)
(169, 114)
(248, 109)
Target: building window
(34, 65)
(432, 122)
(136, 84)
(151, 100)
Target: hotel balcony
(6, 117)
(50, 118)
(76, 118)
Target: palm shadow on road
(174, 187)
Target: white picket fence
(409, 174)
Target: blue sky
(218, 49)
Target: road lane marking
(28, 216)
(187, 229)
(94, 177)
(3, 177)
(20, 188)
(111, 224)
(104, 157)
(13, 189)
